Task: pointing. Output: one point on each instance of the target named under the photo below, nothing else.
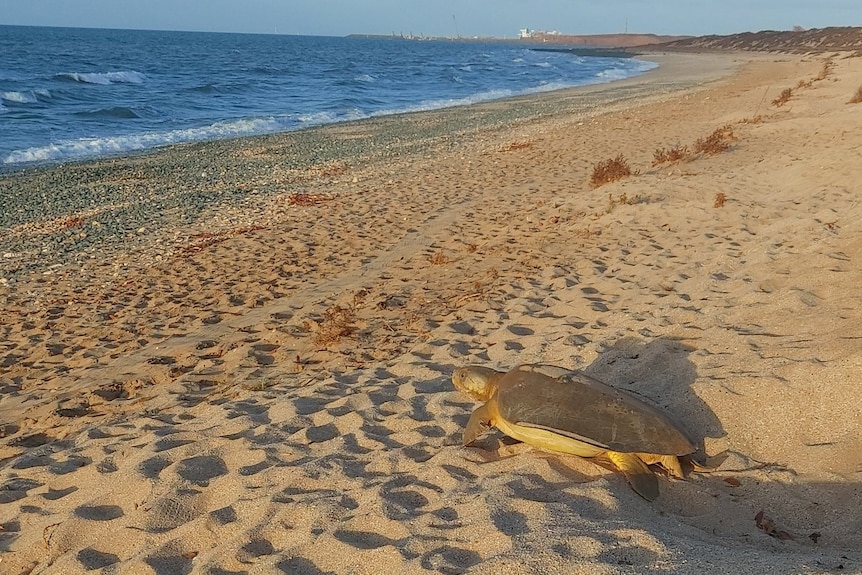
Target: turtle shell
(578, 406)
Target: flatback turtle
(570, 412)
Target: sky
(498, 18)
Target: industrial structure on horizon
(528, 33)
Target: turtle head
(476, 381)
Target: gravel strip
(134, 210)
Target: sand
(267, 388)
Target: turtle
(569, 412)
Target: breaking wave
(77, 105)
(96, 147)
(103, 78)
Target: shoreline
(30, 239)
(260, 350)
(123, 144)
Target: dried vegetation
(337, 322)
(783, 97)
(758, 119)
(610, 171)
(438, 258)
(668, 155)
(518, 145)
(622, 200)
(307, 199)
(72, 222)
(787, 93)
(205, 239)
(715, 143)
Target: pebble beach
(236, 356)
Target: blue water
(70, 93)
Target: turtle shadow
(771, 508)
(821, 515)
(661, 372)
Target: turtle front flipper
(636, 472)
(479, 422)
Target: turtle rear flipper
(636, 472)
(710, 465)
(670, 463)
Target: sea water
(68, 93)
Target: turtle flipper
(636, 472)
(671, 463)
(479, 421)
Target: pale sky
(501, 18)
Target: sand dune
(815, 40)
(268, 390)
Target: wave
(28, 97)
(613, 74)
(112, 145)
(114, 112)
(608, 75)
(20, 97)
(267, 70)
(427, 105)
(638, 67)
(204, 89)
(341, 111)
(320, 118)
(103, 78)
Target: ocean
(69, 94)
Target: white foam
(551, 87)
(449, 103)
(94, 147)
(110, 145)
(636, 67)
(318, 118)
(613, 74)
(19, 97)
(105, 78)
(631, 68)
(643, 65)
(321, 118)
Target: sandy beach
(236, 357)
